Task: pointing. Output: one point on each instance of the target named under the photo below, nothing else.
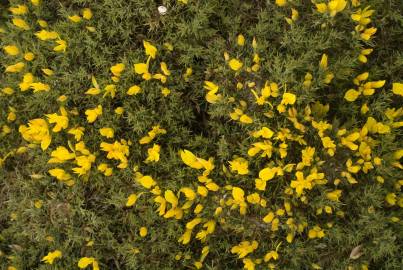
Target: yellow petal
(133, 90)
(238, 194)
(235, 64)
(151, 50)
(397, 89)
(131, 200)
(141, 68)
(351, 95)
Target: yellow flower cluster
(286, 141)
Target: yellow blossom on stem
(235, 64)
(244, 248)
(150, 49)
(153, 154)
(21, 24)
(92, 114)
(11, 50)
(239, 165)
(107, 132)
(37, 131)
(49, 259)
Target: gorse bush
(209, 134)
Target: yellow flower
(19, 9)
(185, 238)
(238, 194)
(368, 33)
(187, 74)
(363, 55)
(165, 91)
(107, 132)
(171, 198)
(11, 50)
(281, 3)
(241, 40)
(301, 183)
(156, 130)
(42, 23)
(84, 162)
(362, 16)
(316, 232)
(46, 35)
(151, 50)
(47, 71)
(253, 198)
(244, 248)
(202, 191)
(288, 98)
(86, 261)
(165, 69)
(92, 29)
(133, 90)
(38, 204)
(143, 232)
(35, 2)
(294, 14)
(391, 198)
(269, 217)
(264, 132)
(245, 119)
(189, 193)
(75, 18)
(11, 117)
(63, 98)
(15, 68)
(87, 13)
(77, 132)
(146, 181)
(61, 47)
(267, 173)
(7, 90)
(235, 64)
(141, 68)
(60, 155)
(323, 61)
(38, 87)
(397, 89)
(334, 195)
(92, 114)
(60, 174)
(117, 69)
(36, 132)
(61, 121)
(110, 89)
(190, 159)
(153, 154)
(212, 89)
(103, 167)
(131, 200)
(29, 56)
(351, 95)
(20, 23)
(333, 7)
(52, 256)
(117, 150)
(271, 255)
(239, 165)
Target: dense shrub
(216, 135)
